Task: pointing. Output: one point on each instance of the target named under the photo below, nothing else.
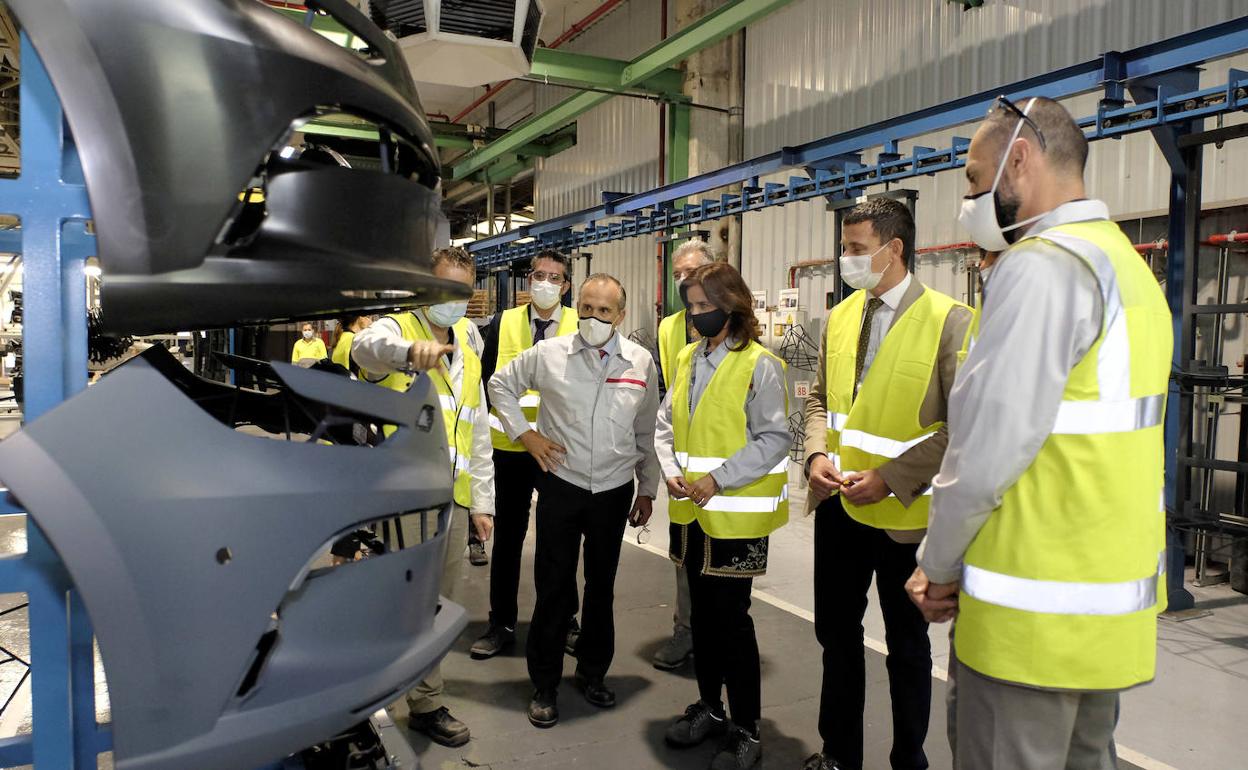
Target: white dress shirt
(1042, 312)
(601, 409)
(381, 350)
(882, 321)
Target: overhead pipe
(569, 33)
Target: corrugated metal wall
(617, 150)
(816, 68)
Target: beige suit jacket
(909, 475)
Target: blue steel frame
(50, 198)
(1165, 99)
(834, 167)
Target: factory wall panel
(849, 64)
(617, 150)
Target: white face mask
(308, 334)
(856, 270)
(545, 295)
(446, 314)
(979, 212)
(595, 331)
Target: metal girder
(708, 30)
(654, 210)
(705, 32)
(577, 69)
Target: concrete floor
(1191, 717)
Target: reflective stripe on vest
(1060, 598)
(515, 335)
(882, 422)
(673, 336)
(458, 416)
(1062, 585)
(704, 440)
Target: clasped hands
(859, 488)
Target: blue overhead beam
(831, 174)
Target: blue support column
(51, 202)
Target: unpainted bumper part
(175, 106)
(190, 541)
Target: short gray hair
(694, 245)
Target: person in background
(1047, 535)
(348, 326)
(723, 443)
(593, 436)
(874, 439)
(509, 334)
(439, 341)
(309, 348)
(675, 332)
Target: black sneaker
(574, 635)
(476, 554)
(595, 691)
(739, 751)
(699, 723)
(497, 639)
(442, 728)
(543, 712)
(820, 762)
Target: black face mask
(709, 323)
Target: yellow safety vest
(515, 335)
(1062, 586)
(673, 336)
(342, 349)
(457, 415)
(313, 348)
(882, 423)
(716, 431)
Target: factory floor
(1189, 719)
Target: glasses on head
(539, 275)
(1012, 108)
(643, 535)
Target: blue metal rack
(50, 198)
(1164, 100)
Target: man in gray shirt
(594, 435)
(1048, 455)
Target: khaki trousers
(426, 696)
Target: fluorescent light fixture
(287, 152)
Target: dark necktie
(864, 339)
(541, 327)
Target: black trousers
(725, 649)
(515, 478)
(566, 514)
(846, 555)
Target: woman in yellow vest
(310, 347)
(348, 326)
(723, 441)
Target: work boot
(476, 554)
(543, 711)
(820, 762)
(493, 641)
(574, 635)
(442, 728)
(739, 751)
(699, 723)
(595, 691)
(675, 652)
